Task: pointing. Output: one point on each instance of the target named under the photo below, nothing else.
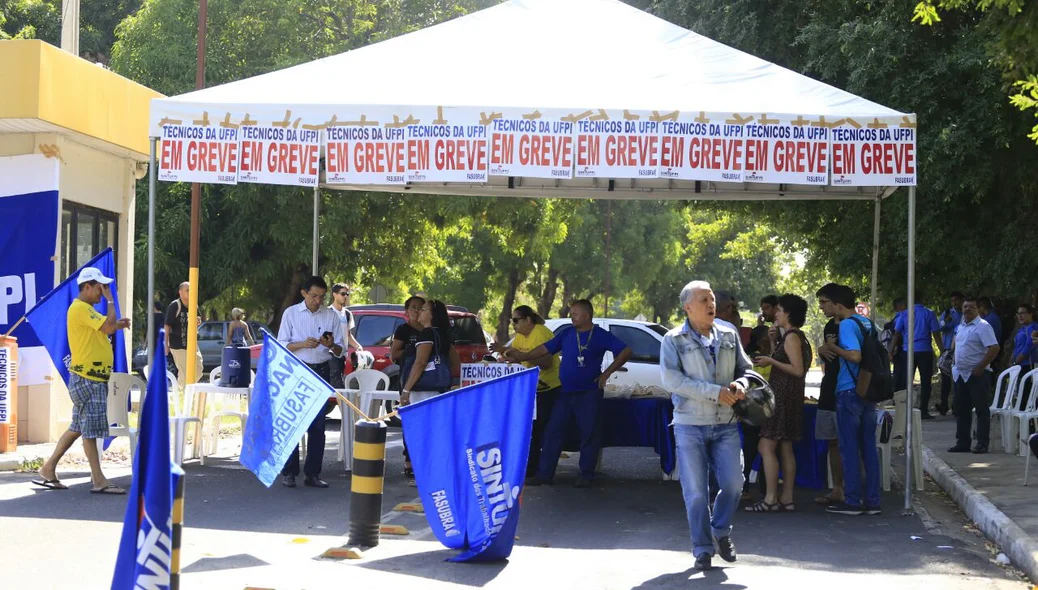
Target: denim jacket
(694, 379)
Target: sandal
(50, 484)
(791, 507)
(763, 506)
(109, 490)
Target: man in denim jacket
(701, 362)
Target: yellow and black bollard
(369, 472)
(178, 531)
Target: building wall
(98, 179)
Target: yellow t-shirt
(549, 378)
(91, 350)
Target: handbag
(437, 373)
(944, 364)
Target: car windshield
(467, 330)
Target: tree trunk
(505, 319)
(551, 288)
(291, 295)
(566, 299)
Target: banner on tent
(278, 155)
(446, 153)
(365, 154)
(744, 149)
(198, 153)
(875, 154)
(532, 148)
(617, 148)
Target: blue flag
(49, 318)
(286, 397)
(469, 449)
(146, 545)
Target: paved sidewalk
(989, 489)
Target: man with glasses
(313, 333)
(340, 301)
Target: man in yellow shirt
(530, 332)
(91, 365)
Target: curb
(1020, 547)
(9, 464)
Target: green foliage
(41, 19)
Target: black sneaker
(726, 549)
(873, 510)
(703, 563)
(980, 449)
(289, 481)
(959, 449)
(537, 481)
(845, 508)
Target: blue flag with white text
(469, 449)
(49, 317)
(286, 397)
(146, 544)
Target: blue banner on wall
(469, 449)
(27, 243)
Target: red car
(374, 326)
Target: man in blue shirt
(583, 348)
(927, 331)
(855, 417)
(950, 320)
(989, 314)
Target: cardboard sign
(7, 372)
(369, 154)
(531, 148)
(446, 153)
(198, 153)
(876, 154)
(472, 373)
(766, 150)
(278, 155)
(617, 149)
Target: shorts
(89, 406)
(825, 425)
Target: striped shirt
(299, 323)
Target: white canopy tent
(556, 60)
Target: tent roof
(565, 54)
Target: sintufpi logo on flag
(154, 552)
(496, 497)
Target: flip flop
(50, 484)
(110, 490)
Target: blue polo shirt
(1022, 344)
(925, 325)
(597, 341)
(851, 338)
(950, 320)
(996, 325)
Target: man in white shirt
(340, 301)
(313, 333)
(973, 348)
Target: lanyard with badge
(582, 348)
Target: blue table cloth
(812, 467)
(637, 422)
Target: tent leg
(149, 303)
(910, 360)
(873, 301)
(317, 227)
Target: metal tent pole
(910, 361)
(875, 261)
(317, 228)
(150, 302)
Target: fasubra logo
(444, 512)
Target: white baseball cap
(92, 274)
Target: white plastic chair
(898, 431)
(1013, 407)
(211, 436)
(179, 418)
(1017, 421)
(119, 387)
(1005, 391)
(1027, 461)
(371, 384)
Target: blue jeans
(586, 408)
(702, 449)
(856, 423)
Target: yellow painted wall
(52, 85)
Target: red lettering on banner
(378, 157)
(732, 150)
(587, 150)
(501, 146)
(632, 151)
(800, 157)
(460, 154)
(757, 155)
(251, 156)
(418, 154)
(844, 161)
(338, 157)
(672, 151)
(172, 155)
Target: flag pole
(14, 327)
(355, 408)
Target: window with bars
(85, 231)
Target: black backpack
(874, 383)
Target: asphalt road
(628, 532)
